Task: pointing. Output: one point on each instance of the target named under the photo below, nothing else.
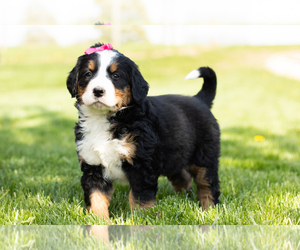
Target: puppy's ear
(72, 81)
(139, 86)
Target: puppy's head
(107, 80)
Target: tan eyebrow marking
(91, 65)
(113, 67)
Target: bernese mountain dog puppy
(124, 135)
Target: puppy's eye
(88, 74)
(115, 75)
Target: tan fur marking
(203, 188)
(147, 204)
(182, 182)
(123, 97)
(134, 204)
(131, 199)
(91, 65)
(99, 204)
(113, 67)
(81, 91)
(80, 159)
(129, 145)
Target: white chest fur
(97, 147)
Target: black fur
(171, 133)
(208, 92)
(139, 86)
(72, 80)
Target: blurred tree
(125, 17)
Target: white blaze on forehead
(106, 58)
(101, 80)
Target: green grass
(40, 175)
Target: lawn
(258, 113)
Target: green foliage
(257, 112)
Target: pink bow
(101, 48)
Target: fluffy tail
(208, 92)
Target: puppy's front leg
(137, 199)
(97, 190)
(143, 185)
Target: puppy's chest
(98, 148)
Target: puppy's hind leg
(207, 186)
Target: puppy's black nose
(98, 92)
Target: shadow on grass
(38, 155)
